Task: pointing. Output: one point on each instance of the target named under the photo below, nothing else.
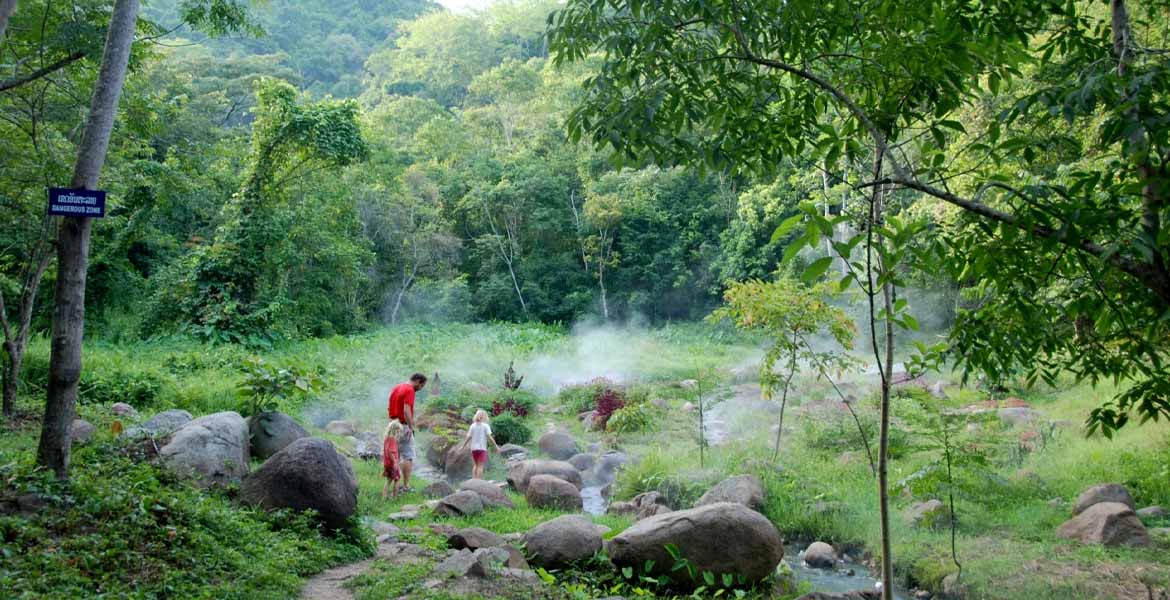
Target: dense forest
(460, 199)
(933, 234)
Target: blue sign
(77, 203)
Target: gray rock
(953, 588)
(458, 464)
(211, 450)
(747, 490)
(1017, 415)
(607, 466)
(271, 432)
(548, 491)
(583, 462)
(1105, 492)
(621, 508)
(386, 529)
(438, 489)
(473, 538)
(1108, 524)
(1160, 535)
(562, 540)
(489, 561)
(340, 428)
(404, 515)
(558, 445)
(721, 538)
(1153, 512)
(308, 474)
(121, 409)
(457, 564)
(460, 504)
(510, 450)
(930, 514)
(820, 555)
(515, 557)
(490, 493)
(81, 431)
(519, 473)
(368, 445)
(160, 425)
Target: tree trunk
(73, 245)
(884, 452)
(601, 284)
(12, 375)
(7, 7)
(516, 284)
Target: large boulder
(458, 463)
(308, 474)
(123, 410)
(489, 493)
(473, 538)
(211, 450)
(562, 540)
(438, 489)
(721, 538)
(520, 472)
(368, 446)
(1153, 512)
(509, 450)
(548, 491)
(460, 504)
(583, 462)
(928, 515)
(437, 450)
(608, 464)
(747, 490)
(820, 555)
(1108, 524)
(558, 445)
(161, 425)
(81, 431)
(1105, 492)
(271, 432)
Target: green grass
(1006, 514)
(126, 530)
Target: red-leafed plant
(509, 406)
(606, 402)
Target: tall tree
(73, 245)
(7, 7)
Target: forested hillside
(463, 201)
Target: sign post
(77, 203)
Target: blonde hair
(480, 416)
(393, 429)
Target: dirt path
(330, 584)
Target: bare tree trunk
(73, 245)
(7, 7)
(601, 284)
(15, 342)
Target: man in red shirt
(402, 408)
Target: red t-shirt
(402, 395)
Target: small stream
(847, 577)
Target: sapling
(789, 312)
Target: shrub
(608, 402)
(508, 429)
(632, 418)
(515, 402)
(581, 397)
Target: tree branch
(41, 72)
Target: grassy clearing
(1008, 501)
